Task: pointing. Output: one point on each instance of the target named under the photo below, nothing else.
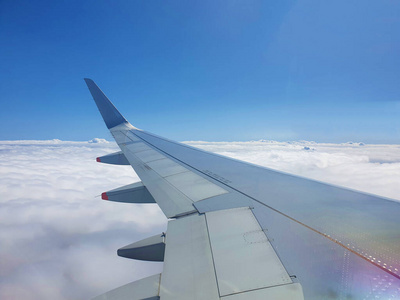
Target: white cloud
(98, 141)
(58, 241)
(370, 168)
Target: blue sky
(327, 71)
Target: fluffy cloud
(59, 241)
(369, 168)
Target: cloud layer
(59, 241)
(369, 168)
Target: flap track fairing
(117, 158)
(131, 193)
(149, 249)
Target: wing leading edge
(244, 221)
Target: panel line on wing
(188, 265)
(384, 268)
(149, 155)
(194, 186)
(257, 289)
(212, 256)
(190, 184)
(186, 171)
(132, 142)
(141, 149)
(258, 261)
(292, 291)
(174, 187)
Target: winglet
(111, 116)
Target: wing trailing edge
(144, 289)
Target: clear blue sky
(203, 70)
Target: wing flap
(146, 288)
(188, 271)
(220, 254)
(244, 258)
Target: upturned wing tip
(111, 116)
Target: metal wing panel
(173, 186)
(194, 186)
(325, 269)
(171, 200)
(365, 225)
(149, 155)
(166, 167)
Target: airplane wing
(238, 231)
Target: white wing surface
(238, 231)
